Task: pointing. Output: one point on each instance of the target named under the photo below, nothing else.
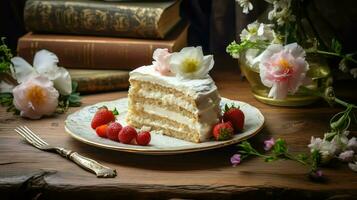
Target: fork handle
(88, 164)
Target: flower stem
(291, 157)
(332, 54)
(343, 103)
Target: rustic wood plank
(26, 172)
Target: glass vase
(319, 72)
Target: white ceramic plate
(78, 126)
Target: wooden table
(26, 172)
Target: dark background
(215, 23)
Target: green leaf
(280, 147)
(270, 159)
(336, 46)
(74, 86)
(315, 159)
(115, 111)
(302, 157)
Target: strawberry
(143, 138)
(102, 130)
(223, 131)
(235, 116)
(102, 116)
(113, 131)
(127, 134)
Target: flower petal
(5, 87)
(45, 62)
(207, 65)
(63, 82)
(23, 70)
(296, 50)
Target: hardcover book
(91, 81)
(90, 52)
(90, 17)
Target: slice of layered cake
(179, 99)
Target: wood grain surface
(28, 173)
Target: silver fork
(84, 162)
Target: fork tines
(30, 136)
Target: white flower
(340, 141)
(281, 12)
(354, 72)
(258, 31)
(283, 69)
(346, 156)
(190, 63)
(325, 148)
(35, 97)
(352, 144)
(246, 5)
(44, 63)
(353, 166)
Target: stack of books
(97, 35)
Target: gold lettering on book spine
(92, 18)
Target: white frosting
(192, 87)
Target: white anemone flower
(246, 5)
(190, 63)
(258, 31)
(44, 63)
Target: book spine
(101, 80)
(92, 18)
(93, 54)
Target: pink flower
(236, 159)
(269, 144)
(35, 97)
(283, 69)
(346, 156)
(162, 61)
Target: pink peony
(35, 97)
(283, 69)
(162, 61)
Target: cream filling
(174, 116)
(156, 123)
(168, 99)
(207, 118)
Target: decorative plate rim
(170, 151)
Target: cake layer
(200, 123)
(159, 125)
(171, 96)
(169, 106)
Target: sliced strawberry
(143, 138)
(223, 131)
(102, 130)
(113, 131)
(102, 116)
(127, 135)
(235, 116)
